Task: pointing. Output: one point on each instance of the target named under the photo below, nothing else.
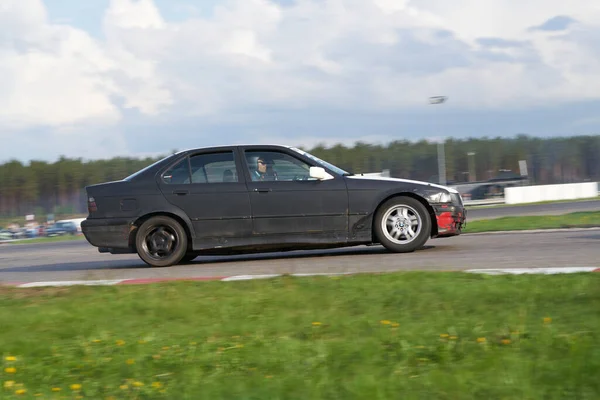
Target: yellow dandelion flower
(481, 340)
(395, 324)
(56, 389)
(11, 358)
(123, 387)
(156, 385)
(96, 341)
(444, 335)
(9, 384)
(547, 320)
(138, 384)
(120, 342)
(505, 341)
(316, 323)
(75, 386)
(130, 361)
(20, 391)
(453, 337)
(10, 370)
(385, 322)
(166, 348)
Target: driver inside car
(264, 170)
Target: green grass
(406, 335)
(64, 238)
(585, 219)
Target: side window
(276, 166)
(178, 174)
(214, 168)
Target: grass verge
(587, 219)
(64, 238)
(407, 335)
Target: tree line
(41, 187)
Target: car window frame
(236, 171)
(307, 160)
(241, 178)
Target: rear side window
(214, 168)
(178, 174)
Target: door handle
(262, 190)
(181, 192)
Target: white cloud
(357, 55)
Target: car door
(208, 187)
(294, 206)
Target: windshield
(332, 167)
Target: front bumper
(451, 219)
(110, 233)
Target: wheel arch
(136, 224)
(434, 225)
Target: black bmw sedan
(261, 198)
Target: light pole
(472, 177)
(440, 146)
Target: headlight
(441, 197)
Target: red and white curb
(544, 271)
(142, 281)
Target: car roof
(216, 147)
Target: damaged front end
(450, 213)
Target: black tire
(161, 241)
(415, 209)
(188, 258)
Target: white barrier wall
(532, 194)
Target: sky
(103, 78)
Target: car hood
(383, 178)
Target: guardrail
(533, 194)
(485, 202)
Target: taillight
(92, 205)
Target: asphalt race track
(475, 213)
(78, 260)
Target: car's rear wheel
(402, 224)
(161, 241)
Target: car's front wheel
(161, 241)
(402, 224)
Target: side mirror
(319, 173)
